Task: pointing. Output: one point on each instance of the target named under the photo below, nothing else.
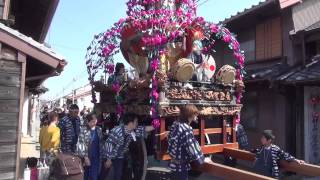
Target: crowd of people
(102, 142)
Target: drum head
(183, 70)
(226, 74)
(228, 77)
(185, 73)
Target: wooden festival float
(172, 53)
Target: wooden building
(281, 40)
(24, 64)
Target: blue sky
(76, 22)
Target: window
(247, 42)
(269, 39)
(249, 49)
(312, 49)
(249, 113)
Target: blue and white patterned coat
(277, 154)
(85, 141)
(183, 147)
(69, 135)
(118, 141)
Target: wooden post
(162, 138)
(202, 135)
(6, 9)
(22, 59)
(303, 49)
(234, 133)
(224, 131)
(162, 128)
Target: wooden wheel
(137, 161)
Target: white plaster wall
(25, 113)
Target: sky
(76, 22)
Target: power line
(205, 1)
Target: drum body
(183, 70)
(226, 75)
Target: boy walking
(268, 156)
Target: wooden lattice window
(269, 39)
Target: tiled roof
(269, 73)
(308, 73)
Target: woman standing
(183, 147)
(49, 137)
(88, 147)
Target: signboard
(287, 3)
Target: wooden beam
(209, 149)
(227, 172)
(28, 49)
(302, 169)
(239, 154)
(216, 130)
(40, 77)
(217, 148)
(206, 131)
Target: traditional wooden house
(280, 39)
(24, 64)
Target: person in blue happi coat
(269, 155)
(88, 147)
(183, 147)
(69, 130)
(116, 147)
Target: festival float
(172, 53)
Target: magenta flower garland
(158, 22)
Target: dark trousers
(183, 175)
(117, 165)
(91, 173)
